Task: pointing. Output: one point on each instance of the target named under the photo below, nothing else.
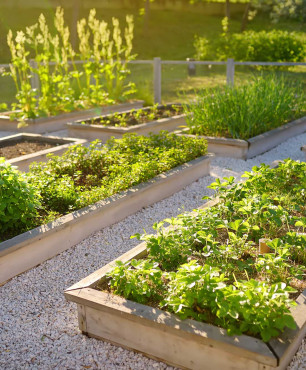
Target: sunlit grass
(246, 110)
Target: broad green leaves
(209, 266)
(19, 200)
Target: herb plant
(242, 112)
(207, 265)
(19, 201)
(65, 85)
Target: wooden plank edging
(270, 139)
(286, 345)
(23, 162)
(55, 123)
(36, 246)
(91, 132)
(246, 149)
(206, 334)
(274, 355)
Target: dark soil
(17, 148)
(136, 117)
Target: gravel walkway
(39, 329)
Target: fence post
(157, 80)
(191, 69)
(34, 77)
(230, 71)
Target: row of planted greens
(245, 111)
(85, 175)
(207, 265)
(239, 112)
(137, 116)
(48, 57)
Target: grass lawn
(169, 35)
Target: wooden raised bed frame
(23, 162)
(245, 149)
(187, 344)
(33, 247)
(55, 123)
(103, 133)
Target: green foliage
(18, 200)
(84, 175)
(3, 107)
(283, 9)
(137, 280)
(207, 262)
(242, 112)
(63, 85)
(137, 116)
(263, 46)
(250, 306)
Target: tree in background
(277, 9)
(291, 9)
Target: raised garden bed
(22, 149)
(245, 149)
(150, 119)
(55, 123)
(249, 119)
(31, 248)
(184, 342)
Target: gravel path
(39, 329)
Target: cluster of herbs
(244, 111)
(18, 200)
(64, 84)
(137, 116)
(207, 264)
(84, 175)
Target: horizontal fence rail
(157, 69)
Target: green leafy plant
(207, 265)
(263, 46)
(107, 57)
(19, 200)
(64, 85)
(245, 111)
(137, 280)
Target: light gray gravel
(39, 329)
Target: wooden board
(55, 123)
(245, 149)
(160, 333)
(92, 132)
